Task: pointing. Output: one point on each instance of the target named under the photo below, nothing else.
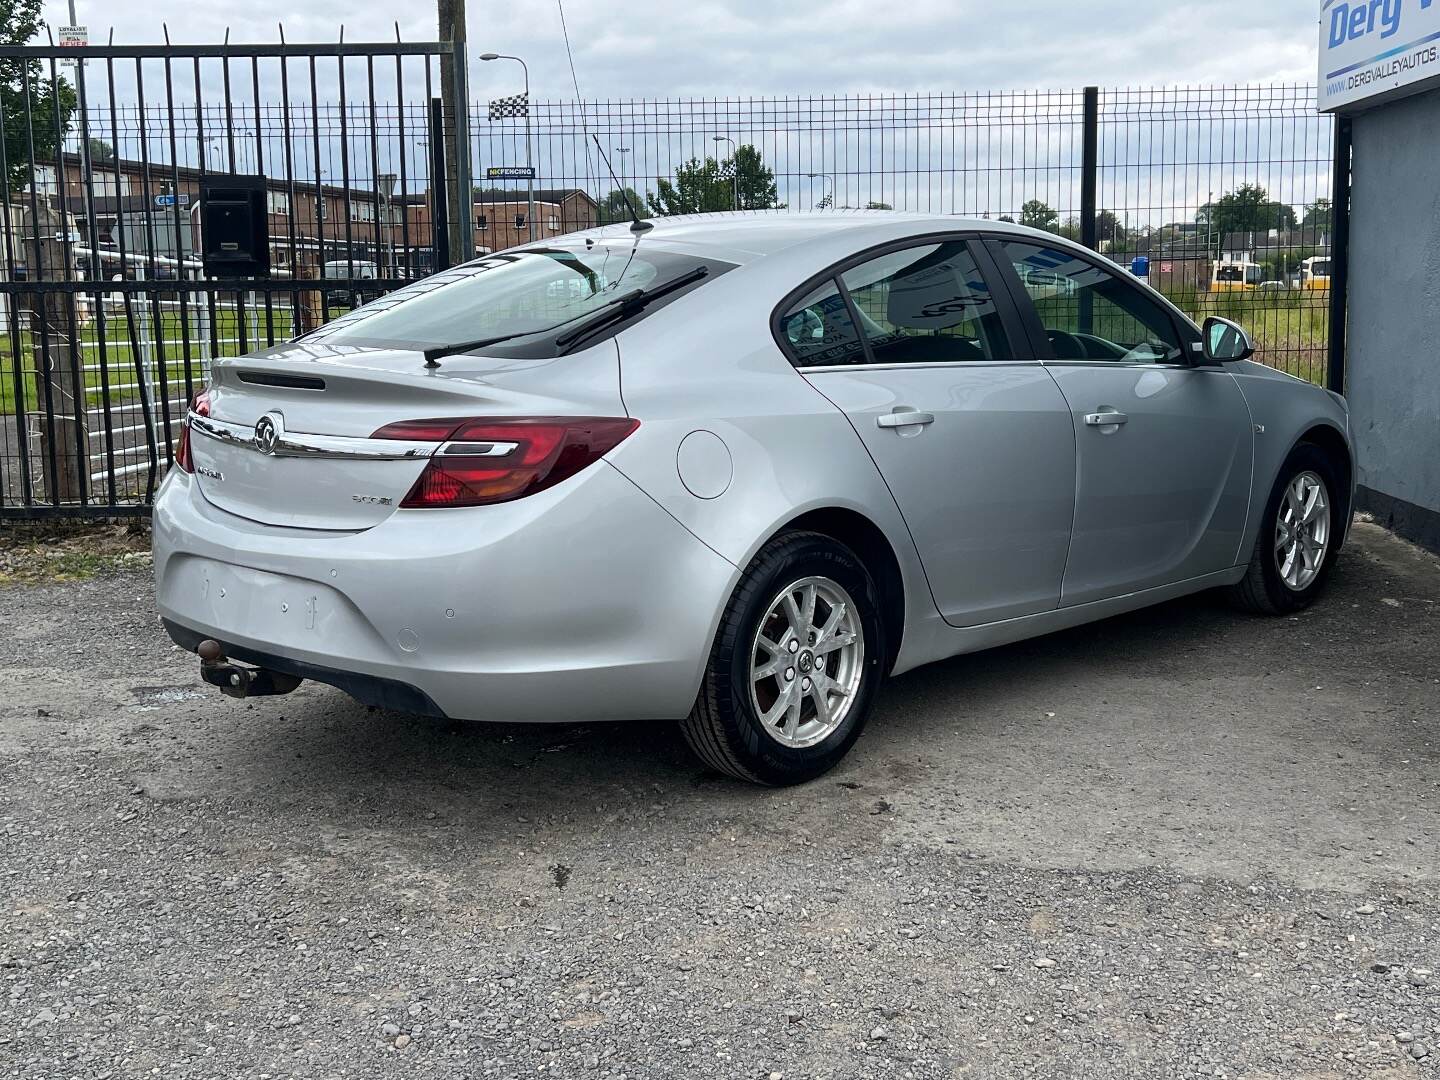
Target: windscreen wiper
(625, 305)
(622, 307)
(432, 355)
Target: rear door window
(927, 304)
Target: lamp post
(734, 169)
(622, 150)
(386, 185)
(529, 160)
(829, 198)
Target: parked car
(739, 469)
(344, 274)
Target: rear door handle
(904, 418)
(1105, 419)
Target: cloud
(645, 48)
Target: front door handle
(1106, 418)
(904, 418)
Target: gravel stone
(199, 888)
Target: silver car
(736, 469)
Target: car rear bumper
(585, 602)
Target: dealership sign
(1376, 49)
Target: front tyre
(1299, 536)
(797, 660)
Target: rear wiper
(622, 307)
(625, 305)
(432, 355)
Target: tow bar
(237, 680)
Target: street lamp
(622, 150)
(830, 197)
(734, 168)
(529, 161)
(385, 182)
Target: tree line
(1248, 208)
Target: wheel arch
(1333, 443)
(873, 547)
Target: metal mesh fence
(1221, 192)
(1216, 195)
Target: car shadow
(321, 747)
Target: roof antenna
(636, 225)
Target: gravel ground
(1180, 843)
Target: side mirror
(1225, 340)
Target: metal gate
(108, 319)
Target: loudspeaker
(234, 226)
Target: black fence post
(1089, 166)
(439, 218)
(1089, 177)
(1339, 256)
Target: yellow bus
(1315, 272)
(1234, 275)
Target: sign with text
(1374, 50)
(510, 172)
(74, 37)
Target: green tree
(100, 150)
(1006, 217)
(1038, 215)
(878, 206)
(701, 186)
(613, 208)
(1318, 215)
(20, 21)
(1249, 208)
(1110, 234)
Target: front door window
(1090, 313)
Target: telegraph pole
(456, 95)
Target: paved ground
(1182, 843)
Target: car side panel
(1285, 408)
(789, 449)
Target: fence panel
(108, 318)
(1200, 184)
(1218, 195)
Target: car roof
(741, 236)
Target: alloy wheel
(806, 661)
(1302, 531)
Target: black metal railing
(112, 308)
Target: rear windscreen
(514, 294)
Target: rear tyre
(1299, 536)
(797, 661)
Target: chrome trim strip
(302, 444)
(478, 449)
(1129, 365)
(919, 364)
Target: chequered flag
(519, 105)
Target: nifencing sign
(73, 37)
(1374, 50)
(510, 172)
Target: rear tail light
(200, 405)
(493, 460)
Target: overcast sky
(646, 48)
